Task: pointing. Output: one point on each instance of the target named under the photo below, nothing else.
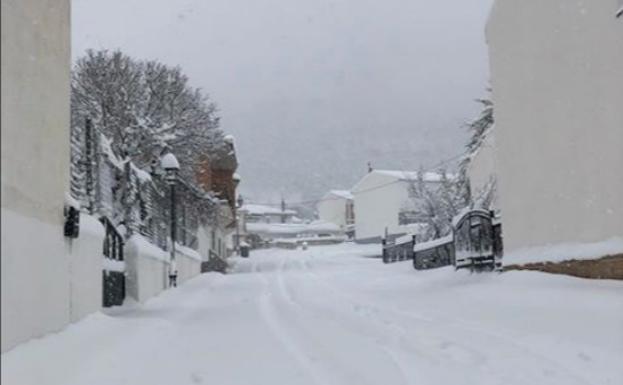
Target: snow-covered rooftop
(293, 228)
(255, 209)
(411, 175)
(341, 194)
(398, 176)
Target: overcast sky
(314, 89)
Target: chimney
(370, 169)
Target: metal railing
(475, 243)
(401, 249)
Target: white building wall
(85, 264)
(188, 266)
(333, 210)
(557, 78)
(378, 208)
(210, 237)
(46, 281)
(147, 268)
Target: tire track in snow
(278, 329)
(394, 356)
(339, 369)
(479, 358)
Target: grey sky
(313, 89)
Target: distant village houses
(269, 226)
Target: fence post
(384, 243)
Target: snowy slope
(329, 315)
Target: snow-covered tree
(478, 130)
(433, 205)
(144, 107)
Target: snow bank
(141, 246)
(113, 265)
(142, 175)
(188, 252)
(433, 243)
(328, 315)
(565, 252)
(90, 225)
(404, 239)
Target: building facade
(557, 79)
(338, 207)
(51, 280)
(379, 199)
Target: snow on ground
(566, 251)
(328, 315)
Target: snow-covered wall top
(344, 194)
(393, 176)
(254, 209)
(316, 227)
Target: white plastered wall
(378, 202)
(47, 280)
(557, 78)
(333, 209)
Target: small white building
(254, 213)
(379, 198)
(337, 207)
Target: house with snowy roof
(379, 199)
(337, 207)
(255, 213)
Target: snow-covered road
(329, 315)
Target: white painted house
(254, 213)
(557, 79)
(379, 198)
(47, 280)
(337, 206)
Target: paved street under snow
(332, 315)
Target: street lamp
(171, 167)
(240, 202)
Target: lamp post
(171, 167)
(239, 202)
